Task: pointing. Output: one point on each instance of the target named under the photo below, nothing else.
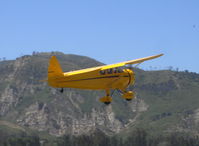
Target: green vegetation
(138, 137)
(170, 99)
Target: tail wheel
(62, 90)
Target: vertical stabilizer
(54, 68)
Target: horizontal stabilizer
(43, 80)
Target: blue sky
(107, 30)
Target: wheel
(107, 103)
(129, 95)
(128, 99)
(106, 99)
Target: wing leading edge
(140, 60)
(104, 67)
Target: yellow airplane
(106, 77)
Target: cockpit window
(119, 70)
(102, 72)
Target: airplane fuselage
(98, 80)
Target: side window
(110, 71)
(115, 70)
(120, 70)
(102, 72)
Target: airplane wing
(140, 60)
(104, 67)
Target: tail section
(54, 68)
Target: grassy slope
(170, 96)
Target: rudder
(54, 68)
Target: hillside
(167, 101)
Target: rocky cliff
(26, 101)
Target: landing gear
(107, 103)
(128, 99)
(62, 90)
(106, 99)
(128, 95)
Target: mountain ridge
(29, 103)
